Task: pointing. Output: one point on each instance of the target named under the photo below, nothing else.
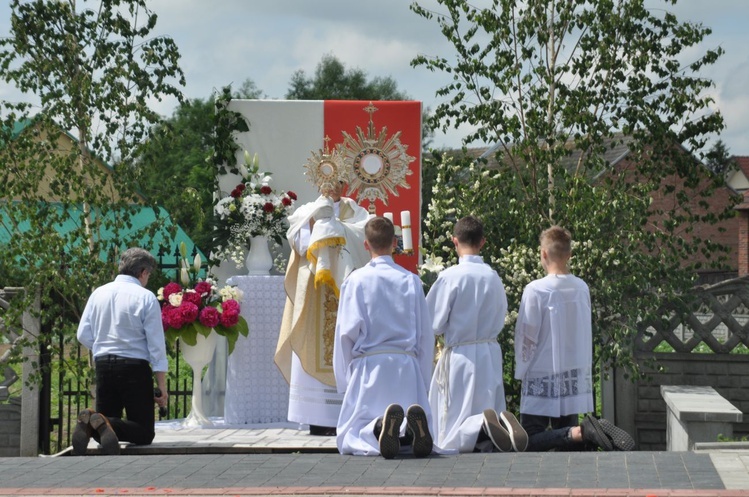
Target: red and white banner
(285, 134)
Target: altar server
(467, 396)
(383, 355)
(554, 357)
(327, 238)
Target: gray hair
(134, 260)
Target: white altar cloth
(256, 391)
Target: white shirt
(122, 318)
(554, 347)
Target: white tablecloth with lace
(256, 392)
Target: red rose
(235, 193)
(265, 190)
(230, 305)
(286, 201)
(209, 316)
(192, 297)
(189, 311)
(174, 317)
(240, 187)
(229, 319)
(291, 195)
(170, 289)
(203, 288)
(165, 317)
(268, 207)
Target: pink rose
(203, 288)
(229, 318)
(209, 316)
(189, 311)
(230, 305)
(170, 289)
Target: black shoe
(620, 439)
(110, 445)
(518, 436)
(322, 431)
(418, 426)
(593, 433)
(83, 432)
(389, 437)
(495, 431)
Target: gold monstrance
(326, 169)
(377, 165)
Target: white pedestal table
(256, 391)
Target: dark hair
(134, 260)
(469, 231)
(557, 241)
(380, 233)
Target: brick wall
(743, 238)
(10, 429)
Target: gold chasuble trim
(327, 242)
(325, 277)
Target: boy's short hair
(557, 241)
(380, 233)
(469, 231)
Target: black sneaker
(518, 436)
(389, 437)
(620, 439)
(593, 433)
(497, 433)
(418, 426)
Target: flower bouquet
(198, 306)
(251, 209)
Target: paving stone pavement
(264, 461)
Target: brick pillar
(743, 234)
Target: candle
(405, 219)
(406, 227)
(388, 215)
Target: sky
(228, 41)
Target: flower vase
(259, 260)
(198, 356)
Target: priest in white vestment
(384, 350)
(467, 397)
(327, 240)
(554, 357)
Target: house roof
(742, 162)
(143, 218)
(616, 149)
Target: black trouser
(126, 384)
(546, 433)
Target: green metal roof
(142, 218)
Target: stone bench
(696, 414)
